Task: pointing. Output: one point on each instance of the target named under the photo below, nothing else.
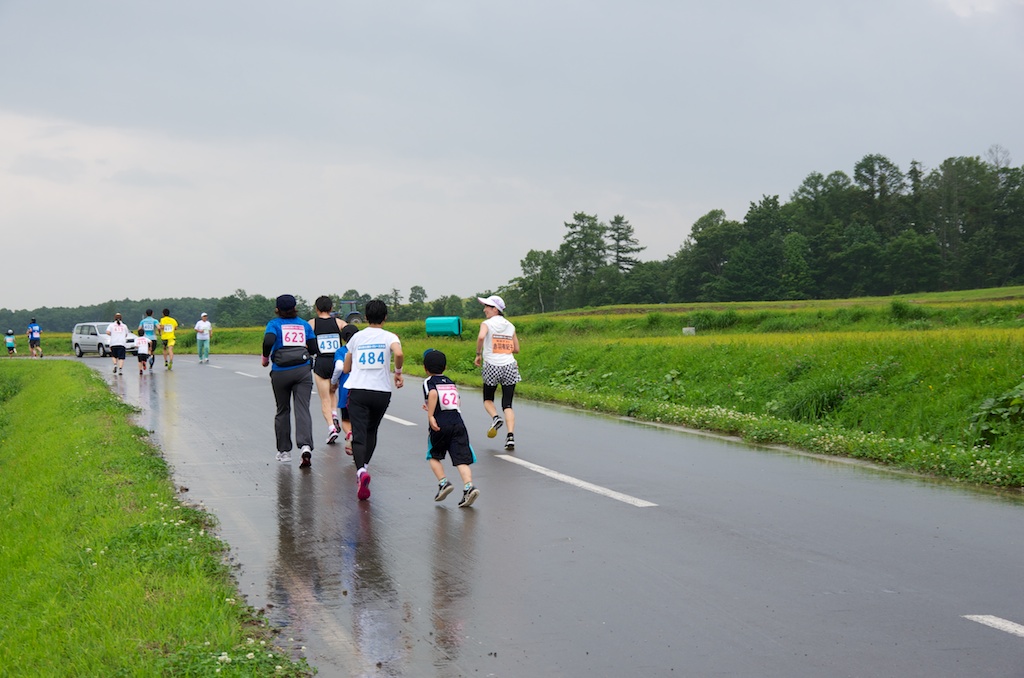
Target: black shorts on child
(452, 439)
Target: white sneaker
(332, 436)
(284, 456)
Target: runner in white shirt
(368, 364)
(496, 349)
(118, 333)
(204, 330)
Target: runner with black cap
(289, 344)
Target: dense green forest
(882, 231)
(879, 232)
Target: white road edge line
(403, 422)
(251, 376)
(582, 484)
(997, 623)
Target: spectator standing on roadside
(288, 343)
(150, 325)
(167, 327)
(35, 339)
(204, 330)
(142, 349)
(327, 329)
(496, 347)
(118, 333)
(368, 364)
(446, 431)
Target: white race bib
(293, 335)
(448, 396)
(328, 343)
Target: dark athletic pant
(366, 410)
(292, 387)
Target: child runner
(447, 432)
(11, 349)
(142, 345)
(368, 364)
(338, 384)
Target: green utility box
(444, 326)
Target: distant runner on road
(35, 339)
(118, 333)
(167, 327)
(204, 330)
(150, 326)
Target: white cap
(493, 300)
(202, 314)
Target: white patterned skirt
(506, 375)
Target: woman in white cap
(496, 348)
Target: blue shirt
(34, 330)
(149, 325)
(288, 332)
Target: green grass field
(930, 383)
(105, 572)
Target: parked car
(92, 338)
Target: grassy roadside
(105, 571)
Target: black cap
(434, 361)
(285, 302)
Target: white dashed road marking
(582, 484)
(251, 376)
(403, 422)
(997, 623)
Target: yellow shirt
(167, 326)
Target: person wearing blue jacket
(289, 346)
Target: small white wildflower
(250, 656)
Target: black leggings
(366, 410)
(507, 391)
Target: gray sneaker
(469, 495)
(307, 457)
(496, 423)
(444, 488)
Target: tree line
(879, 232)
(239, 309)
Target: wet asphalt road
(716, 559)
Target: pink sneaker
(364, 486)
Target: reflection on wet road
(725, 560)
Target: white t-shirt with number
(370, 349)
(498, 344)
(118, 334)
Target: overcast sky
(170, 149)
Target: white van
(92, 338)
